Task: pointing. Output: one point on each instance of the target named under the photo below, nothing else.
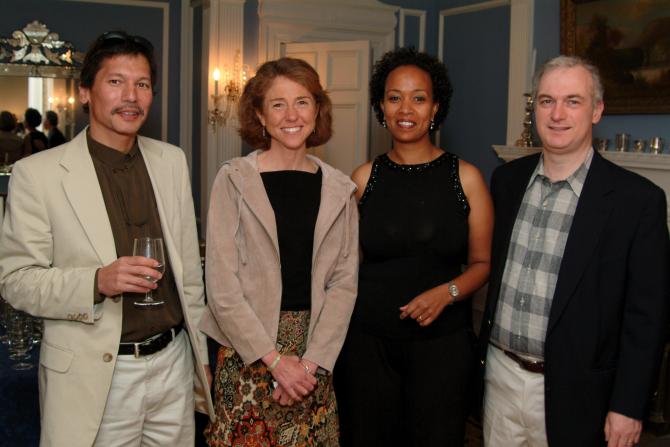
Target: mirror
(39, 70)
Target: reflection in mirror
(38, 70)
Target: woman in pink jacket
(281, 272)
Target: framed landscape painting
(629, 42)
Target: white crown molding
(421, 14)
(165, 7)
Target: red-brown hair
(251, 102)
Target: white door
(344, 70)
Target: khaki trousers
(150, 402)
(513, 404)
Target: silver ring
(420, 318)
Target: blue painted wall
(476, 49)
(479, 74)
(81, 22)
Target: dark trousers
(404, 392)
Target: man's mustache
(129, 108)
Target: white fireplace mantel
(655, 167)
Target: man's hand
(128, 274)
(622, 431)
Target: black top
(295, 197)
(56, 137)
(37, 141)
(414, 236)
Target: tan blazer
(243, 270)
(56, 233)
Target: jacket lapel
(593, 210)
(163, 184)
(83, 192)
(332, 204)
(249, 184)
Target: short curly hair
(297, 70)
(410, 56)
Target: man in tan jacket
(111, 372)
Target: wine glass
(150, 248)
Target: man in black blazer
(577, 307)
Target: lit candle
(216, 74)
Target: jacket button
(107, 357)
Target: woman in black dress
(425, 233)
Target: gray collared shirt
(534, 258)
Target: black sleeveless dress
(398, 383)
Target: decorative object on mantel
(35, 51)
(656, 145)
(233, 82)
(622, 140)
(625, 159)
(601, 143)
(526, 139)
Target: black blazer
(609, 313)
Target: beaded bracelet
(274, 363)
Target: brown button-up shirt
(132, 211)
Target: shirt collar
(575, 180)
(110, 156)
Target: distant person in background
(34, 140)
(19, 130)
(11, 146)
(54, 136)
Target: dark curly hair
(410, 56)
(297, 70)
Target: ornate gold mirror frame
(37, 52)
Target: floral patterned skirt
(246, 414)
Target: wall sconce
(60, 106)
(234, 81)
